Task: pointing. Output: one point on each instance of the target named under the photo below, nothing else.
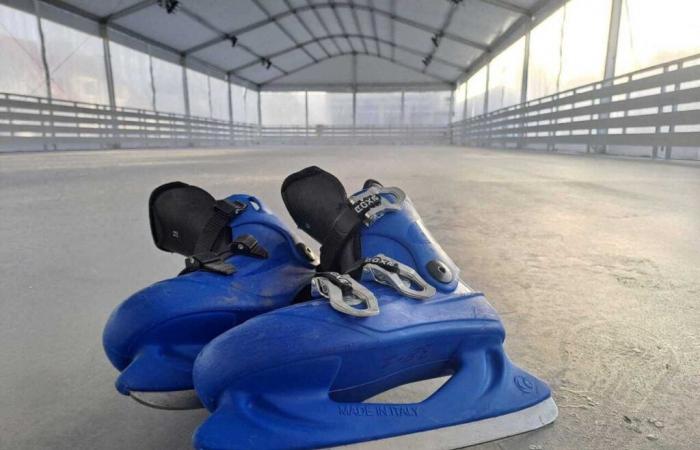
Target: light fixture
(233, 40)
(436, 39)
(427, 60)
(266, 62)
(169, 5)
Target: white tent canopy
(296, 43)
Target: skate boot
(241, 261)
(391, 310)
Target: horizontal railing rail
(37, 123)
(654, 110)
(323, 134)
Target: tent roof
(311, 42)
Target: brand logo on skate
(366, 203)
(378, 411)
(524, 384)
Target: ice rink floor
(592, 262)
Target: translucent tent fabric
(460, 97)
(131, 71)
(427, 108)
(506, 76)
(76, 64)
(167, 80)
(476, 93)
(198, 92)
(251, 106)
(238, 103)
(656, 32)
(283, 108)
(22, 69)
(378, 109)
(219, 98)
(330, 108)
(568, 48)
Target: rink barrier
(652, 112)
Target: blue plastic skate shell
(297, 377)
(153, 337)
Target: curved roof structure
(277, 43)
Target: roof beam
(283, 29)
(132, 34)
(323, 25)
(197, 18)
(128, 11)
(410, 50)
(342, 27)
(393, 16)
(508, 7)
(306, 27)
(524, 24)
(438, 36)
(392, 9)
(357, 25)
(448, 83)
(374, 28)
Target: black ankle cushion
(317, 202)
(179, 214)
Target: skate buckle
(344, 294)
(374, 202)
(404, 279)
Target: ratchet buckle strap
(362, 208)
(216, 262)
(374, 202)
(345, 294)
(402, 278)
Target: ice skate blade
(458, 436)
(172, 400)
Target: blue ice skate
(391, 310)
(241, 261)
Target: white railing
(653, 111)
(339, 134)
(36, 123)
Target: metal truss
(323, 41)
(377, 40)
(334, 6)
(448, 83)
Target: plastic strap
(224, 210)
(343, 228)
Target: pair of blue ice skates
(288, 352)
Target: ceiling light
(169, 5)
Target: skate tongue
(319, 205)
(188, 220)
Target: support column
(109, 75)
(451, 115)
(403, 107)
(186, 94)
(610, 59)
(306, 113)
(522, 138)
(232, 131)
(47, 74)
(354, 96)
(185, 87)
(486, 99)
(153, 79)
(259, 115)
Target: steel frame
(110, 22)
